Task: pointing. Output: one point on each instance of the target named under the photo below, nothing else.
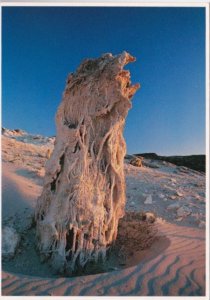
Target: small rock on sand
(136, 161)
(10, 240)
(150, 217)
(148, 200)
(179, 194)
(48, 153)
(161, 196)
(202, 224)
(183, 211)
(172, 197)
(173, 206)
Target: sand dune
(177, 270)
(14, 186)
(173, 265)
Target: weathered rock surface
(150, 217)
(183, 211)
(84, 191)
(173, 206)
(136, 161)
(148, 200)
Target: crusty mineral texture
(83, 197)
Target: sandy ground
(173, 264)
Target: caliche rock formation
(83, 197)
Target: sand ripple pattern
(179, 270)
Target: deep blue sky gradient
(41, 45)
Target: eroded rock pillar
(83, 197)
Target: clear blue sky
(41, 45)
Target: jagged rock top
(109, 65)
(99, 86)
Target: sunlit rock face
(83, 197)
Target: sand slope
(177, 270)
(175, 263)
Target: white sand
(174, 265)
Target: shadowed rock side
(83, 197)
